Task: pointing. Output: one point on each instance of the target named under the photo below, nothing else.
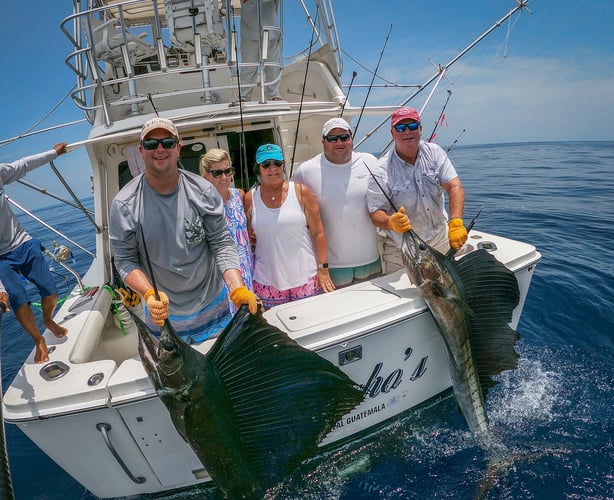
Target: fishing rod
(455, 140)
(521, 4)
(347, 96)
(6, 484)
(234, 51)
(381, 54)
(300, 108)
(440, 117)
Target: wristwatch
(323, 266)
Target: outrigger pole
(37, 219)
(522, 4)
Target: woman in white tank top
(290, 256)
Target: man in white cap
(338, 177)
(415, 175)
(177, 217)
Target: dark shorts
(26, 261)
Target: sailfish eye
(422, 246)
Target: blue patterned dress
(237, 227)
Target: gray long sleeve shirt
(11, 233)
(186, 237)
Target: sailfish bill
(252, 408)
(472, 300)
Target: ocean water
(554, 413)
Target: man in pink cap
(415, 175)
(176, 218)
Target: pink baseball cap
(404, 114)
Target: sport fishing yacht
(92, 407)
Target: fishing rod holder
(65, 266)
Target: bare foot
(41, 355)
(57, 330)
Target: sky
(546, 76)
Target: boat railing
(132, 51)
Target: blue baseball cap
(269, 152)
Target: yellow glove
(158, 309)
(243, 295)
(399, 221)
(457, 234)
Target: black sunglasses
(400, 127)
(334, 138)
(271, 163)
(151, 144)
(218, 173)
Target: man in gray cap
(338, 177)
(178, 218)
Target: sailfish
(472, 300)
(253, 407)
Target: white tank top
(285, 255)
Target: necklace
(273, 198)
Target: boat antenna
(455, 140)
(300, 108)
(440, 118)
(381, 54)
(150, 99)
(347, 96)
(6, 485)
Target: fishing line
(25, 132)
(381, 54)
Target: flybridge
(177, 53)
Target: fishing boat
(92, 407)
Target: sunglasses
(218, 173)
(400, 127)
(271, 163)
(334, 138)
(167, 143)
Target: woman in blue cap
(290, 256)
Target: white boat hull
(378, 332)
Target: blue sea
(554, 413)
